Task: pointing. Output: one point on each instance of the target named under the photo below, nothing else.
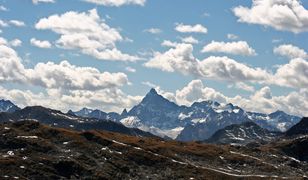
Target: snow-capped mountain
(7, 106)
(200, 120)
(242, 134)
(135, 122)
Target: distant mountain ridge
(159, 116)
(58, 119)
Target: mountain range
(56, 118)
(198, 122)
(42, 143)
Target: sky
(107, 54)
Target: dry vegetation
(31, 150)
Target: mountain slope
(242, 134)
(58, 119)
(7, 106)
(30, 150)
(300, 128)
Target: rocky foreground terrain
(30, 150)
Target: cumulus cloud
(235, 48)
(66, 85)
(181, 59)
(195, 91)
(15, 42)
(284, 15)
(261, 101)
(294, 74)
(39, 43)
(290, 51)
(86, 32)
(17, 23)
(52, 75)
(190, 40)
(153, 30)
(117, 3)
(43, 1)
(167, 43)
(112, 99)
(198, 28)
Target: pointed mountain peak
(152, 92)
(124, 113)
(70, 112)
(7, 106)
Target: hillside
(30, 150)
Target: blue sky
(261, 31)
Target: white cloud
(66, 85)
(167, 43)
(67, 76)
(17, 23)
(232, 36)
(284, 15)
(180, 59)
(290, 51)
(130, 69)
(235, 48)
(86, 32)
(3, 23)
(111, 99)
(263, 100)
(55, 76)
(117, 3)
(43, 1)
(195, 91)
(198, 28)
(294, 74)
(15, 42)
(153, 30)
(226, 69)
(190, 40)
(3, 8)
(40, 44)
